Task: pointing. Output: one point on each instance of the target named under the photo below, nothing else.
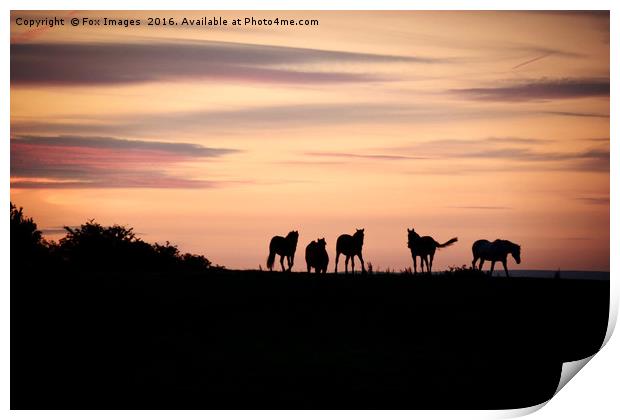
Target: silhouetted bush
(464, 272)
(95, 247)
(370, 268)
(166, 256)
(118, 248)
(27, 246)
(195, 262)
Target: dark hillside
(249, 339)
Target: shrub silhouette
(24, 232)
(94, 247)
(463, 272)
(27, 246)
(118, 248)
(97, 247)
(196, 262)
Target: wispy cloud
(105, 63)
(540, 53)
(153, 179)
(459, 147)
(251, 119)
(481, 207)
(598, 14)
(485, 142)
(261, 118)
(362, 156)
(599, 201)
(245, 119)
(312, 162)
(542, 89)
(96, 162)
(576, 114)
(508, 150)
(530, 155)
(531, 60)
(111, 143)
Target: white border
(593, 394)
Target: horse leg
(353, 264)
(426, 262)
(290, 260)
(346, 264)
(415, 265)
(492, 267)
(309, 268)
(431, 268)
(337, 256)
(481, 264)
(473, 263)
(282, 262)
(505, 268)
(362, 262)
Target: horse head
(359, 236)
(321, 243)
(516, 252)
(293, 236)
(411, 236)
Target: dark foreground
(258, 340)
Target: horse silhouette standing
(285, 247)
(316, 256)
(424, 247)
(497, 250)
(350, 246)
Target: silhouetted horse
(424, 247)
(497, 250)
(316, 256)
(285, 247)
(350, 246)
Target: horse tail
(272, 257)
(445, 244)
(339, 245)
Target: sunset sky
(470, 124)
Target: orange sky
(469, 124)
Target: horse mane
(510, 245)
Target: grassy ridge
(250, 339)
